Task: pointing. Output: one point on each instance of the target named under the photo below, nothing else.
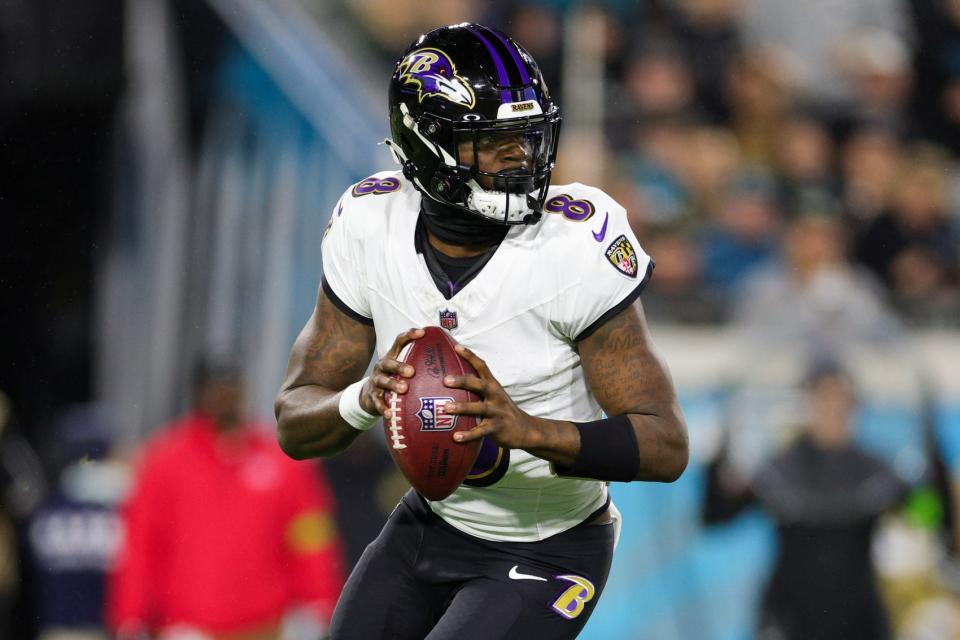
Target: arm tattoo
(334, 350)
(627, 377)
(622, 371)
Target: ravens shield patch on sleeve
(623, 257)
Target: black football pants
(422, 578)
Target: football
(420, 433)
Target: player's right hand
(371, 396)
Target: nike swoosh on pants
(516, 575)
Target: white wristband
(352, 412)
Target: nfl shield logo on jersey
(448, 319)
(432, 415)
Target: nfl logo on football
(432, 415)
(448, 319)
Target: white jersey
(545, 286)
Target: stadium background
(168, 167)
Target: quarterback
(540, 285)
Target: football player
(541, 285)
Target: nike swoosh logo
(516, 575)
(603, 230)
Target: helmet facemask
(509, 165)
(496, 169)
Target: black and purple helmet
(468, 88)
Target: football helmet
(473, 124)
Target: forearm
(556, 441)
(661, 444)
(309, 423)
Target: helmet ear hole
(442, 186)
(429, 127)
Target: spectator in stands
(813, 298)
(225, 535)
(803, 162)
(760, 91)
(658, 81)
(825, 495)
(877, 63)
(74, 533)
(936, 100)
(656, 164)
(812, 32)
(919, 218)
(708, 31)
(742, 235)
(711, 166)
(870, 161)
(677, 293)
(925, 292)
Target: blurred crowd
(745, 136)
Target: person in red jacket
(225, 536)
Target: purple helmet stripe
(498, 62)
(524, 77)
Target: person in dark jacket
(825, 495)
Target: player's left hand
(499, 416)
